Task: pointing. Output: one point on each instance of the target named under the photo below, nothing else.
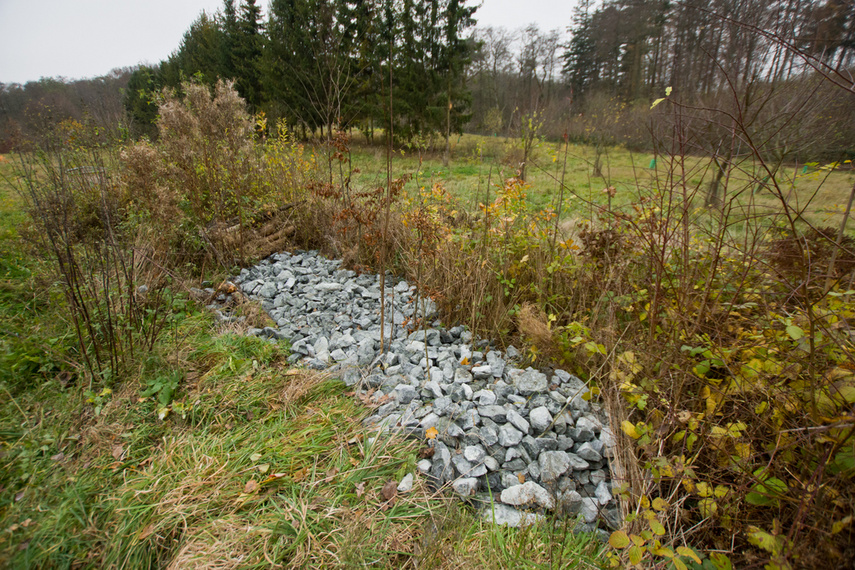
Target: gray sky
(87, 38)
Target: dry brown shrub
(534, 326)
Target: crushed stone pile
(518, 442)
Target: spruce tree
(247, 53)
(580, 67)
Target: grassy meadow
(137, 431)
(256, 464)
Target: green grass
(254, 465)
(820, 194)
(266, 465)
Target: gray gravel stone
(540, 419)
(528, 494)
(531, 382)
(553, 464)
(500, 514)
(509, 436)
(518, 421)
(465, 486)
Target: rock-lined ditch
(517, 441)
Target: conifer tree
(247, 51)
(229, 40)
(580, 69)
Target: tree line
(322, 63)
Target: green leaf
(795, 332)
(763, 539)
(759, 500)
(619, 539)
(720, 561)
(702, 368)
(841, 524)
(635, 553)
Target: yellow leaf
(704, 490)
(841, 524)
(689, 553)
(660, 504)
(431, 433)
(619, 539)
(644, 502)
(636, 539)
(708, 507)
(657, 527)
(629, 429)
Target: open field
(819, 193)
(256, 465)
(718, 338)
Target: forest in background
(704, 289)
(322, 64)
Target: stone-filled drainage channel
(516, 442)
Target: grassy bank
(252, 465)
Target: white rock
(406, 484)
(528, 493)
(500, 514)
(540, 419)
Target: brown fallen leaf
(24, 545)
(300, 475)
(118, 452)
(250, 487)
(390, 490)
(273, 477)
(19, 496)
(58, 457)
(27, 523)
(521, 478)
(146, 532)
(360, 489)
(427, 452)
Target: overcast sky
(87, 38)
